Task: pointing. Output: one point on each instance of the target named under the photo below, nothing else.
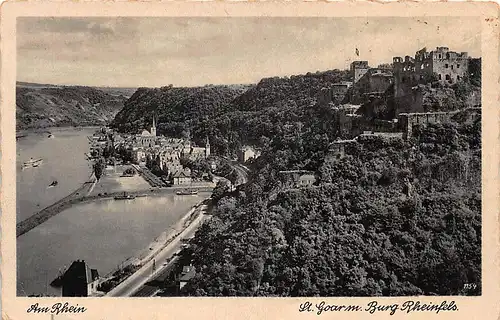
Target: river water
(103, 233)
(63, 160)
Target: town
(160, 154)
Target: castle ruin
(442, 65)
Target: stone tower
(153, 128)
(358, 70)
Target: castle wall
(375, 80)
(335, 93)
(409, 101)
(448, 66)
(406, 121)
(405, 77)
(380, 82)
(346, 121)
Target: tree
(108, 151)
(155, 169)
(221, 188)
(98, 168)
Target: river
(63, 160)
(103, 233)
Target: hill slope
(39, 106)
(392, 218)
(177, 110)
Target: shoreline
(144, 257)
(157, 244)
(48, 212)
(25, 131)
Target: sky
(194, 51)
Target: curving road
(243, 171)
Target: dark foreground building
(79, 280)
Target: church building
(147, 138)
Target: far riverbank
(22, 133)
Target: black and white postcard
(238, 160)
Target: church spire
(153, 127)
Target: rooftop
(188, 273)
(79, 270)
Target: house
(246, 153)
(298, 178)
(306, 180)
(337, 148)
(79, 280)
(193, 152)
(139, 155)
(188, 273)
(181, 177)
(213, 166)
(335, 93)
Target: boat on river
(53, 183)
(187, 192)
(125, 196)
(32, 163)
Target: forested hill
(230, 116)
(293, 91)
(391, 218)
(177, 110)
(274, 107)
(39, 106)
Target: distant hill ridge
(125, 91)
(43, 105)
